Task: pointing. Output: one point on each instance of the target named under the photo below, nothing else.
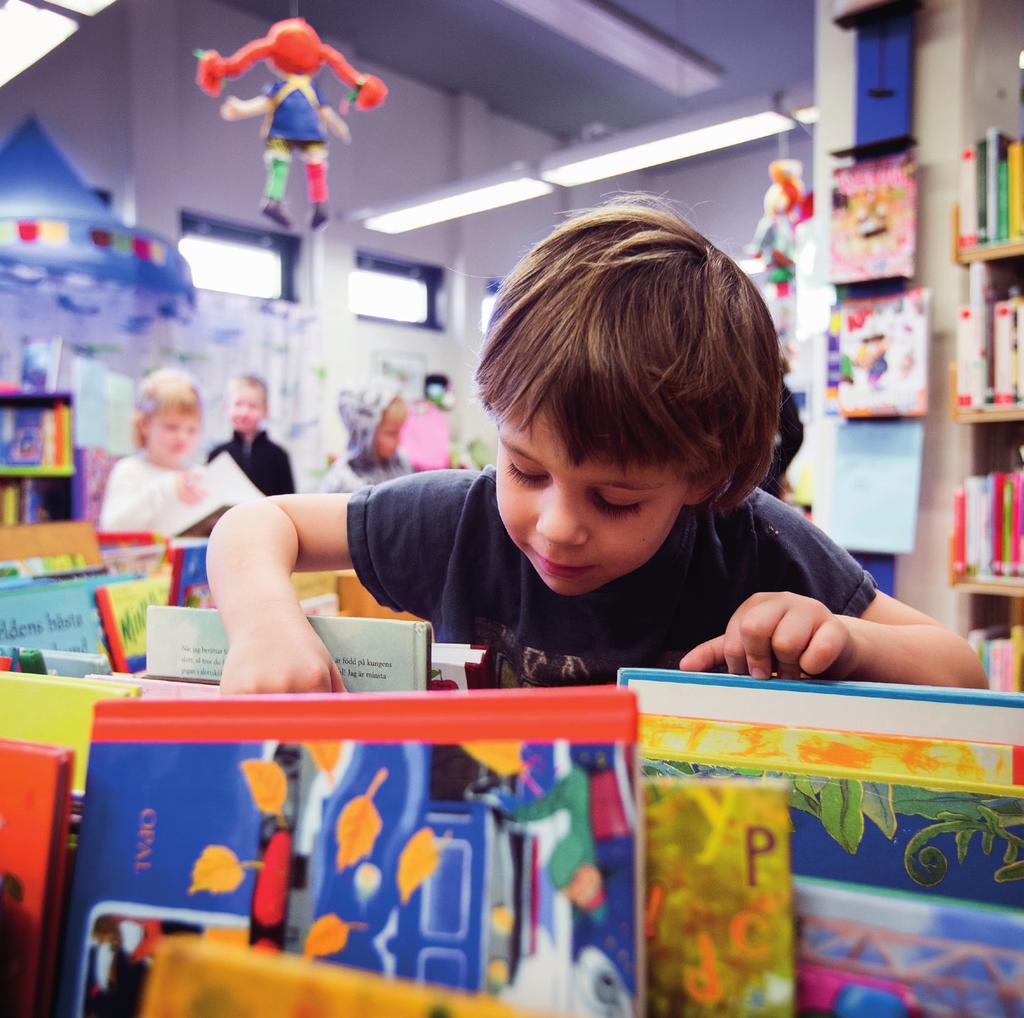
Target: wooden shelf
(998, 585)
(991, 252)
(992, 416)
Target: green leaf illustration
(878, 807)
(926, 864)
(1015, 871)
(800, 800)
(13, 886)
(933, 803)
(841, 816)
(1012, 850)
(988, 840)
(963, 843)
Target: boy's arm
(890, 642)
(253, 550)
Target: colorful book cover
(883, 342)
(55, 711)
(949, 956)
(57, 616)
(22, 436)
(718, 911)
(485, 841)
(874, 219)
(197, 976)
(948, 763)
(877, 708)
(373, 655)
(190, 587)
(123, 609)
(35, 811)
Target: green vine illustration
(844, 805)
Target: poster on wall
(407, 368)
(874, 219)
(883, 351)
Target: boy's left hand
(777, 631)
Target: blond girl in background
(141, 488)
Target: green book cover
(1004, 200)
(1007, 524)
(982, 164)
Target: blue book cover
(462, 840)
(950, 956)
(22, 430)
(50, 616)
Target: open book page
(225, 485)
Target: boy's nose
(558, 524)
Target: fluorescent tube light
(652, 146)
(807, 114)
(464, 198)
(87, 7)
(27, 34)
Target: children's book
(22, 430)
(877, 708)
(874, 219)
(194, 975)
(35, 808)
(851, 822)
(482, 841)
(57, 616)
(123, 609)
(190, 587)
(373, 655)
(949, 957)
(883, 342)
(225, 485)
(718, 912)
(55, 711)
(974, 766)
(67, 663)
(166, 689)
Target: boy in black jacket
(264, 463)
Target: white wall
(120, 98)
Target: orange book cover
(35, 813)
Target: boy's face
(385, 439)
(582, 526)
(171, 438)
(246, 408)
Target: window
(239, 259)
(392, 290)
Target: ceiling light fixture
(656, 144)
(463, 198)
(88, 7)
(807, 114)
(27, 34)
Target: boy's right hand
(278, 656)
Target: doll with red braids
(294, 110)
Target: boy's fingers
(825, 648)
(704, 657)
(749, 638)
(791, 638)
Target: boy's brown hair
(166, 390)
(252, 382)
(642, 344)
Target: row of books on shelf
(36, 435)
(991, 190)
(1001, 651)
(988, 526)
(686, 844)
(989, 355)
(32, 500)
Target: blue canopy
(52, 222)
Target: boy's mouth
(559, 570)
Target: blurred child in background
(168, 418)
(373, 415)
(264, 462)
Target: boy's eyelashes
(603, 506)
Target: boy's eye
(520, 477)
(613, 510)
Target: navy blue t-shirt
(433, 544)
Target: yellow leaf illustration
(217, 870)
(325, 755)
(359, 824)
(328, 935)
(267, 783)
(418, 861)
(504, 757)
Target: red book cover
(111, 630)
(998, 480)
(35, 813)
(959, 533)
(1015, 529)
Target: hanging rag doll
(294, 109)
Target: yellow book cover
(54, 711)
(123, 608)
(1015, 165)
(193, 976)
(719, 917)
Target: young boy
(264, 463)
(634, 376)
